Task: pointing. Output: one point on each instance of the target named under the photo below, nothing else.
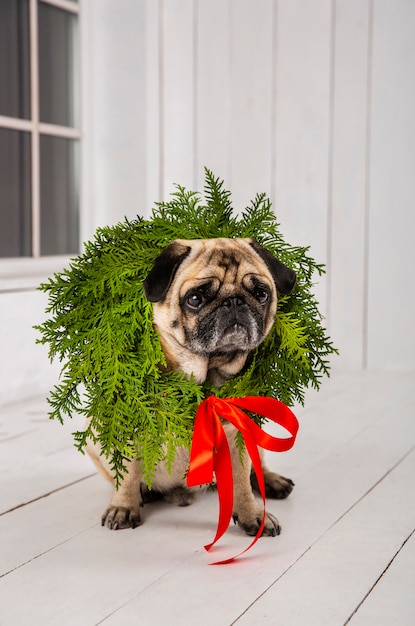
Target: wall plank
(346, 271)
(25, 368)
(177, 94)
(153, 110)
(213, 90)
(390, 321)
(251, 50)
(114, 110)
(302, 138)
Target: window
(39, 128)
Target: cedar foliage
(100, 327)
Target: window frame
(18, 273)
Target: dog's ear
(158, 282)
(284, 277)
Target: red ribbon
(210, 452)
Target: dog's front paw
(277, 487)
(251, 524)
(119, 517)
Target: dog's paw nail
(117, 518)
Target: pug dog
(214, 302)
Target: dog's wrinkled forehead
(228, 260)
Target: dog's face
(215, 298)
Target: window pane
(14, 58)
(15, 216)
(57, 65)
(59, 195)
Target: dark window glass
(59, 195)
(57, 45)
(15, 213)
(14, 58)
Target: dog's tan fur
(224, 274)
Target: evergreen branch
(100, 328)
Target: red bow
(210, 450)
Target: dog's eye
(261, 294)
(194, 299)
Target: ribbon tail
(256, 462)
(224, 482)
(255, 459)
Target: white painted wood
(392, 600)
(24, 366)
(251, 60)
(49, 521)
(38, 453)
(350, 513)
(116, 113)
(324, 425)
(213, 90)
(177, 76)
(87, 198)
(346, 270)
(88, 577)
(303, 124)
(392, 186)
(337, 562)
(153, 99)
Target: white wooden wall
(311, 101)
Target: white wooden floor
(346, 554)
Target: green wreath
(100, 327)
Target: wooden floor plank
(85, 577)
(54, 553)
(32, 530)
(392, 599)
(37, 455)
(335, 574)
(345, 406)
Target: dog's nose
(234, 301)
